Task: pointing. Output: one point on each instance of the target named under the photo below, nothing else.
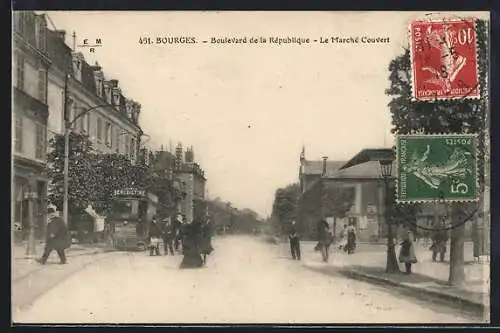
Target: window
(40, 141)
(18, 134)
(42, 85)
(117, 140)
(41, 34)
(99, 129)
(132, 149)
(108, 134)
(86, 123)
(127, 145)
(20, 72)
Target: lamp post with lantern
(386, 173)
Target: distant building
(193, 182)
(31, 63)
(361, 176)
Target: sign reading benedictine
(130, 192)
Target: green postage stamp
(436, 167)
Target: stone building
(30, 65)
(359, 180)
(113, 123)
(193, 182)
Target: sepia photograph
(250, 167)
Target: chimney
(61, 34)
(114, 83)
(323, 172)
(96, 67)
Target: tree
(443, 116)
(82, 179)
(285, 206)
(337, 200)
(113, 172)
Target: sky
(248, 109)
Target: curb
(453, 299)
(35, 295)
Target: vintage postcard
(219, 167)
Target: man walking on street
(439, 240)
(325, 238)
(168, 236)
(293, 236)
(57, 238)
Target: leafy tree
(337, 200)
(82, 180)
(285, 206)
(114, 171)
(450, 116)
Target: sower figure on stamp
(58, 237)
(439, 240)
(294, 239)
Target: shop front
(23, 170)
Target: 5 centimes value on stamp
(444, 59)
(436, 167)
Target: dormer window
(41, 33)
(77, 66)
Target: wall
(55, 100)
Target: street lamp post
(67, 130)
(386, 172)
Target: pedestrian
(206, 239)
(343, 238)
(155, 237)
(57, 238)
(407, 252)
(324, 238)
(351, 239)
(191, 245)
(294, 238)
(168, 236)
(178, 228)
(439, 241)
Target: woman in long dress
(191, 248)
(206, 239)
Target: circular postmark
(444, 57)
(442, 212)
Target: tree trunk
(457, 271)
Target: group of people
(325, 239)
(348, 239)
(195, 238)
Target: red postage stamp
(444, 59)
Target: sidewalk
(31, 279)
(23, 266)
(428, 278)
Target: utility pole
(66, 152)
(31, 195)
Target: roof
(366, 170)
(370, 154)
(316, 167)
(59, 53)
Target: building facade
(30, 66)
(112, 124)
(359, 181)
(193, 181)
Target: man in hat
(58, 237)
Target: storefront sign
(30, 195)
(130, 192)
